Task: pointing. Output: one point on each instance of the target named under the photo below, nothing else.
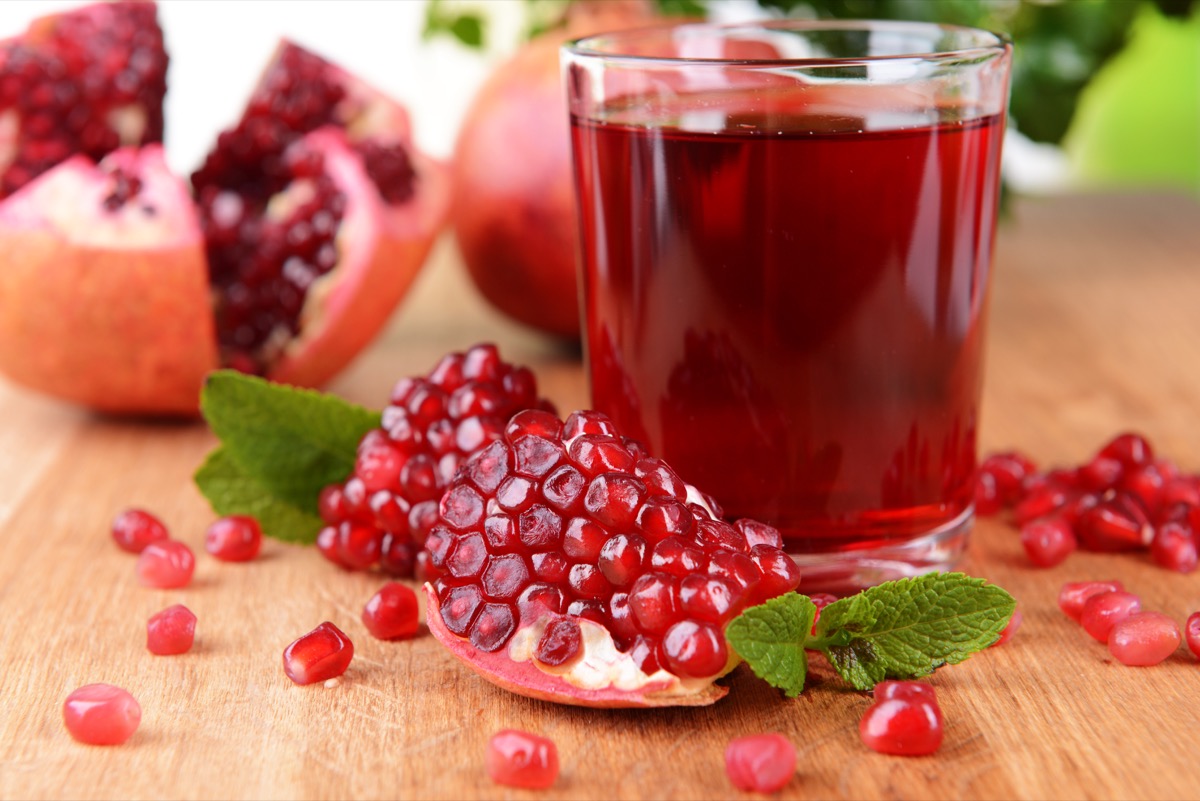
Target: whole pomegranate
(121, 290)
(514, 199)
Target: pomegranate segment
(596, 596)
(166, 565)
(322, 654)
(760, 763)
(520, 759)
(100, 71)
(101, 714)
(134, 529)
(171, 631)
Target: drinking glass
(786, 251)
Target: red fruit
(1143, 639)
(171, 631)
(1048, 541)
(1117, 524)
(432, 425)
(1130, 449)
(1014, 623)
(1174, 547)
(820, 600)
(1074, 594)
(134, 529)
(101, 714)
(520, 759)
(237, 538)
(1192, 632)
(760, 763)
(1106, 609)
(317, 187)
(322, 654)
(647, 617)
(392, 613)
(1000, 481)
(101, 75)
(904, 720)
(167, 564)
(514, 214)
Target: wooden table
(1095, 328)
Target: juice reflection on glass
(786, 261)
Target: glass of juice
(786, 249)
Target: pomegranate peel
(600, 675)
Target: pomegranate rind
(381, 247)
(108, 311)
(524, 677)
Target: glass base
(847, 572)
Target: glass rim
(991, 43)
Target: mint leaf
(908, 628)
(771, 638)
(232, 492)
(287, 443)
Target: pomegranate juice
(795, 319)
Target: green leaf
(771, 637)
(908, 628)
(289, 442)
(232, 492)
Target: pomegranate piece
(101, 714)
(322, 654)
(134, 529)
(1117, 524)
(905, 720)
(1048, 541)
(171, 631)
(1143, 639)
(760, 763)
(1192, 632)
(1174, 547)
(1106, 609)
(236, 538)
(1074, 594)
(620, 586)
(432, 425)
(1000, 481)
(166, 565)
(1014, 623)
(392, 613)
(519, 759)
(100, 74)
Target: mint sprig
(280, 446)
(902, 629)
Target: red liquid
(795, 320)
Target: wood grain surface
(1094, 329)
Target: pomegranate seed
(101, 714)
(1101, 473)
(820, 600)
(1048, 541)
(520, 759)
(1192, 630)
(904, 724)
(760, 763)
(171, 631)
(694, 649)
(1130, 449)
(1104, 610)
(1039, 503)
(1174, 547)
(167, 564)
(560, 642)
(1118, 524)
(1143, 639)
(392, 613)
(236, 538)
(134, 529)
(905, 690)
(1014, 623)
(322, 654)
(1074, 595)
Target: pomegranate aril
(708, 598)
(539, 600)
(505, 577)
(905, 690)
(101, 714)
(237, 538)
(1103, 611)
(134, 529)
(613, 500)
(1117, 524)
(322, 654)
(621, 559)
(1039, 503)
(493, 626)
(674, 556)
(760, 763)
(902, 726)
(459, 607)
(1048, 541)
(820, 601)
(171, 631)
(779, 571)
(560, 642)
(1074, 594)
(392, 612)
(1014, 623)
(1101, 473)
(520, 759)
(167, 564)
(654, 600)
(1130, 449)
(1144, 639)
(695, 650)
(1174, 547)
(1192, 633)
